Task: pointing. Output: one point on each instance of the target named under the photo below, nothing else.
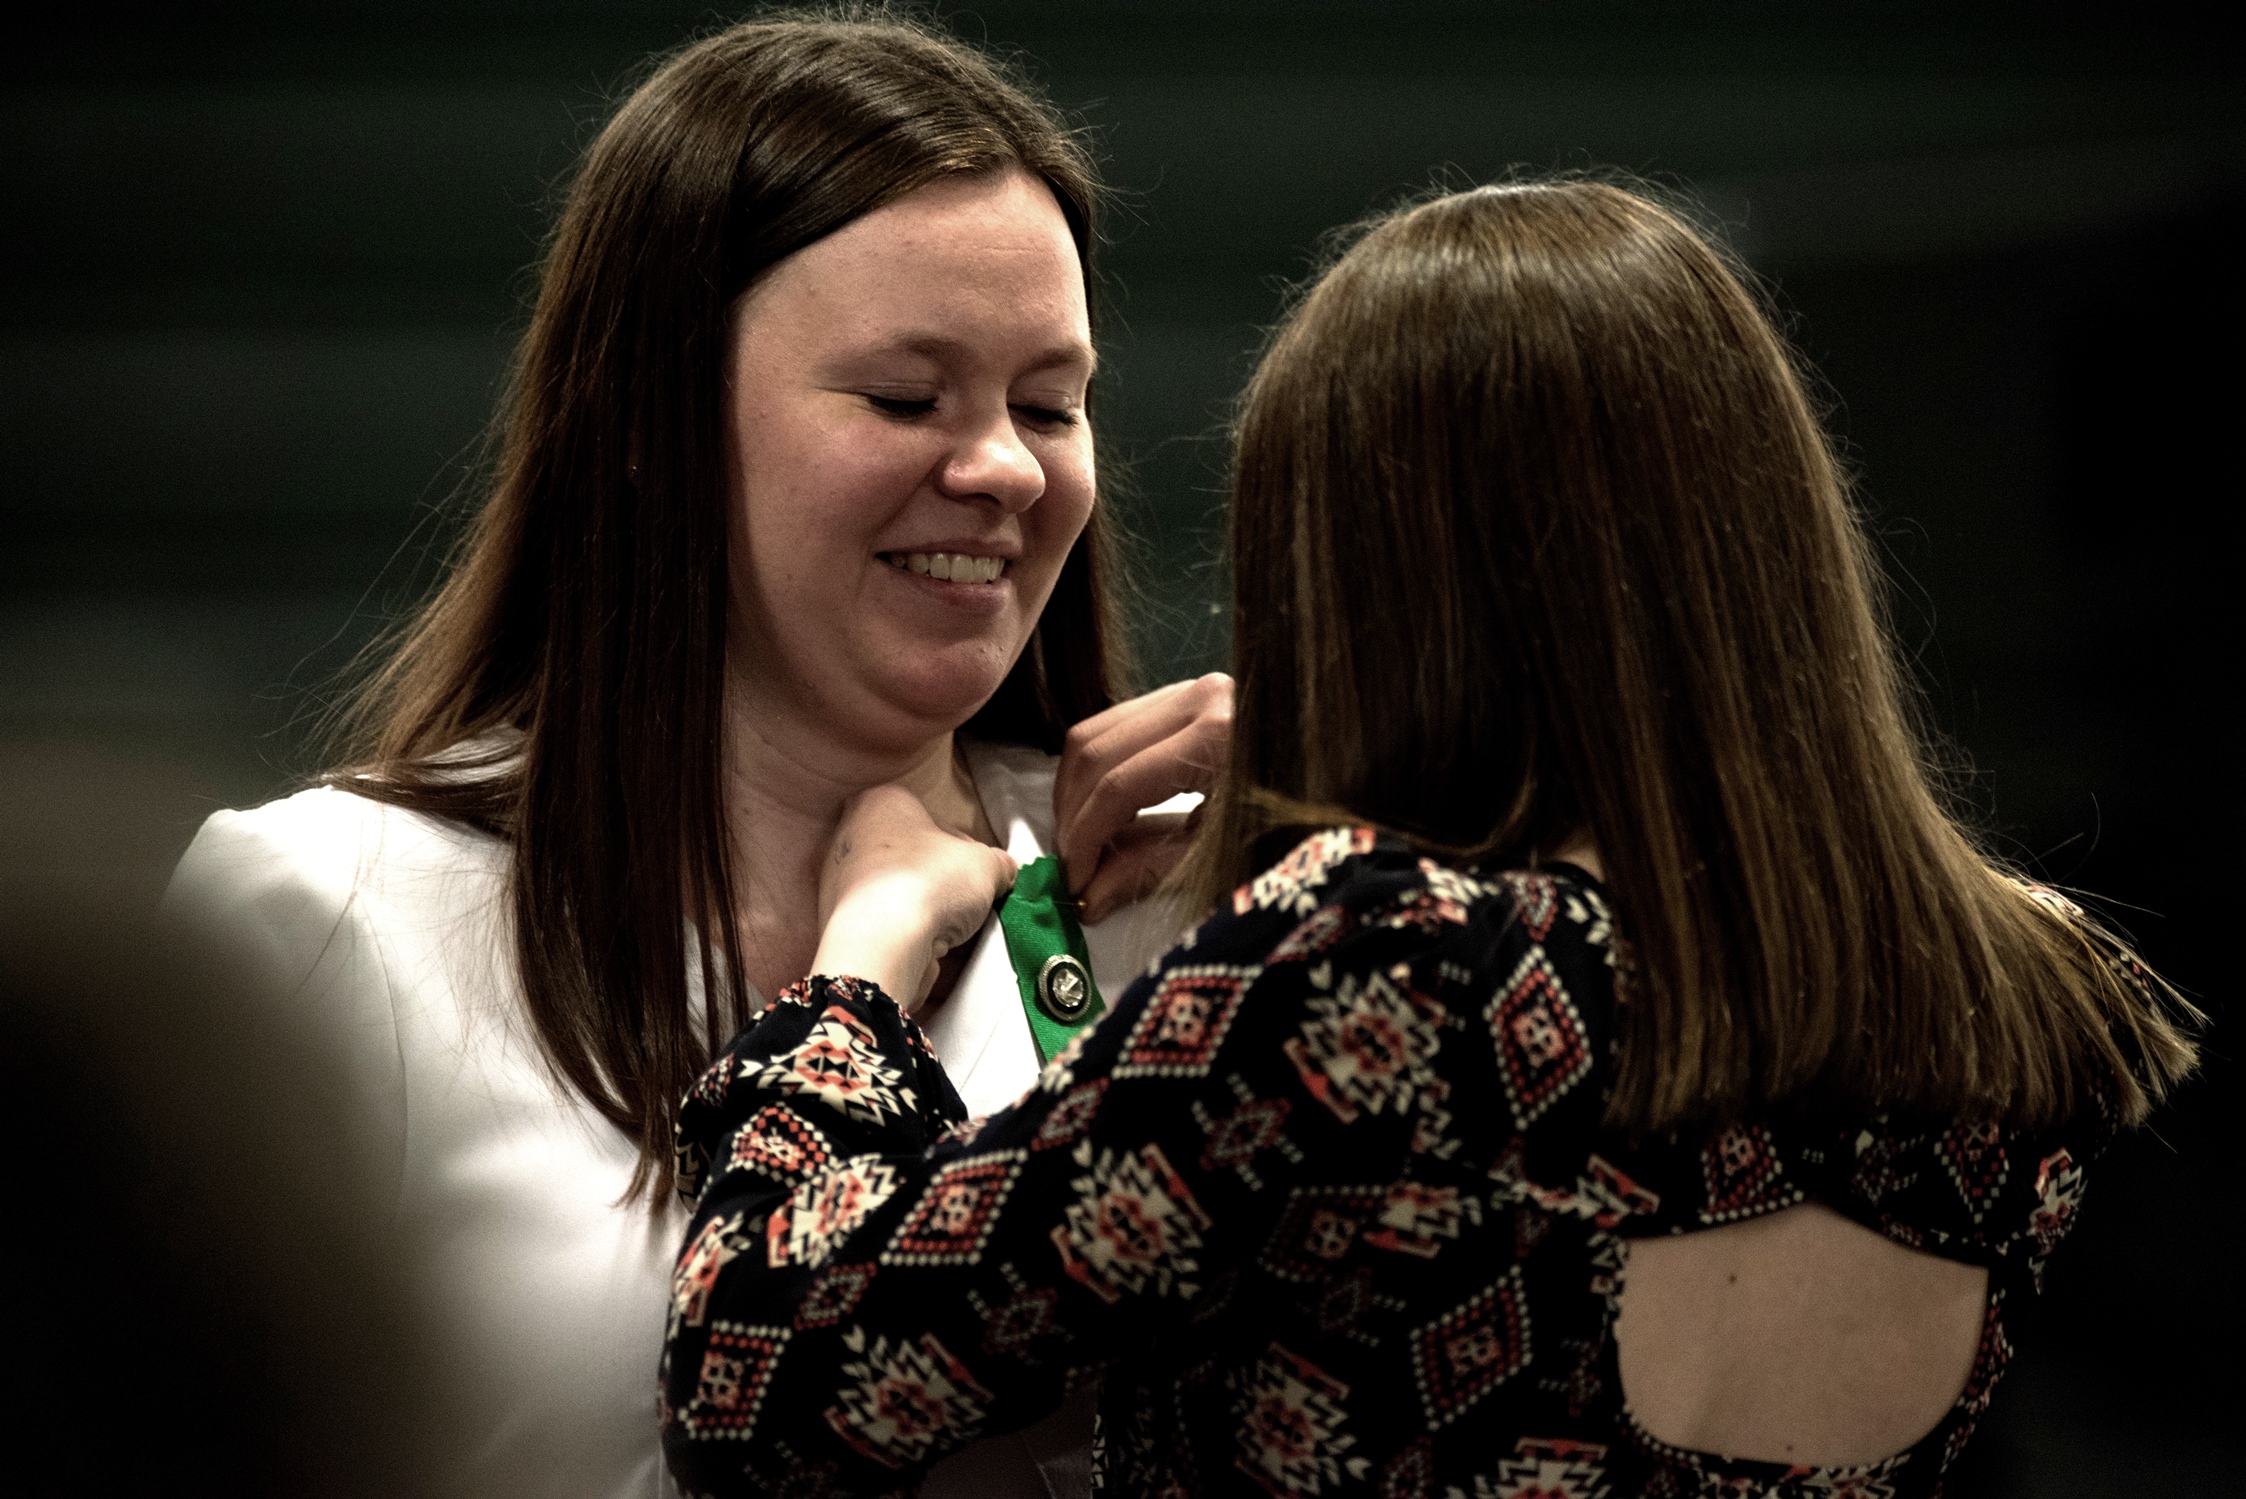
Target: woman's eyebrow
(1072, 355)
(1065, 356)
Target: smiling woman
(1606, 1069)
(795, 499)
(911, 458)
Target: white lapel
(980, 1032)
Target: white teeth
(951, 567)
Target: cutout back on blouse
(1799, 1337)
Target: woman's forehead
(981, 267)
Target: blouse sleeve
(870, 1281)
(271, 899)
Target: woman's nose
(992, 462)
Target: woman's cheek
(1073, 484)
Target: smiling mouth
(948, 567)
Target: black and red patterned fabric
(1325, 1203)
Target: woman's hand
(897, 892)
(1136, 754)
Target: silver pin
(1064, 989)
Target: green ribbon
(1039, 921)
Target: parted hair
(564, 689)
(1535, 532)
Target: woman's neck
(1578, 849)
(784, 794)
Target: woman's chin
(943, 697)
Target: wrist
(881, 937)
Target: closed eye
(899, 406)
(1047, 416)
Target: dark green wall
(259, 268)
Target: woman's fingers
(1135, 755)
(1005, 868)
(897, 891)
(1000, 868)
(1136, 861)
(1108, 738)
(1135, 722)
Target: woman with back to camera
(1635, 1083)
(795, 496)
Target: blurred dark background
(262, 266)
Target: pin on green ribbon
(1050, 962)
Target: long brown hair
(1534, 532)
(565, 688)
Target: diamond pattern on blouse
(1017, 1323)
(695, 1276)
(1133, 1227)
(953, 1218)
(1291, 1414)
(1541, 1048)
(1551, 1468)
(1416, 1218)
(1317, 1229)
(2059, 1187)
(840, 1064)
(1184, 1022)
(1744, 1174)
(1308, 1247)
(1237, 1138)
(729, 1388)
(1536, 901)
(824, 1211)
(1368, 1046)
(833, 1294)
(1973, 1155)
(781, 1144)
(1471, 1349)
(1320, 930)
(1288, 884)
(907, 1396)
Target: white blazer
(385, 932)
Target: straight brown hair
(1535, 532)
(565, 688)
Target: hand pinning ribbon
(1047, 949)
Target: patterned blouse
(1325, 1203)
